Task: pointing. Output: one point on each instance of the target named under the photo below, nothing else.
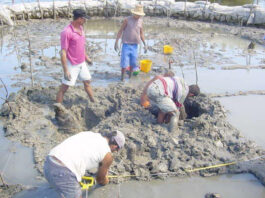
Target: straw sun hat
(138, 10)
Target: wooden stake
(69, 9)
(6, 101)
(182, 72)
(185, 8)
(30, 62)
(1, 177)
(41, 12)
(17, 51)
(170, 61)
(2, 40)
(85, 5)
(54, 13)
(195, 64)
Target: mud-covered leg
(130, 72)
(88, 90)
(122, 73)
(61, 92)
(183, 114)
(173, 124)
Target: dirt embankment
(9, 191)
(204, 139)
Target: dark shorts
(62, 179)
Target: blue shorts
(129, 55)
(62, 179)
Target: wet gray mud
(32, 118)
(201, 141)
(9, 191)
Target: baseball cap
(80, 13)
(119, 139)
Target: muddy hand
(67, 76)
(145, 49)
(116, 48)
(89, 62)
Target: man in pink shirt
(74, 57)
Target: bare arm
(88, 60)
(144, 96)
(120, 31)
(103, 169)
(142, 35)
(64, 60)
(67, 75)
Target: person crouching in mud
(168, 93)
(67, 162)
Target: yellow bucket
(168, 49)
(145, 65)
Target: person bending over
(67, 162)
(168, 93)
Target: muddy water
(225, 185)
(243, 186)
(247, 114)
(16, 163)
(214, 51)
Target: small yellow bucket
(145, 65)
(168, 49)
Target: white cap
(119, 139)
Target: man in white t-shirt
(67, 162)
(168, 93)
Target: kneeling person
(67, 162)
(168, 93)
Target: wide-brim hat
(138, 10)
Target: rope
(209, 167)
(221, 165)
(186, 170)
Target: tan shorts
(160, 99)
(76, 71)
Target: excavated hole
(192, 108)
(94, 116)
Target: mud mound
(206, 138)
(10, 190)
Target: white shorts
(76, 71)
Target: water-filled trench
(217, 51)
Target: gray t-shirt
(131, 33)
